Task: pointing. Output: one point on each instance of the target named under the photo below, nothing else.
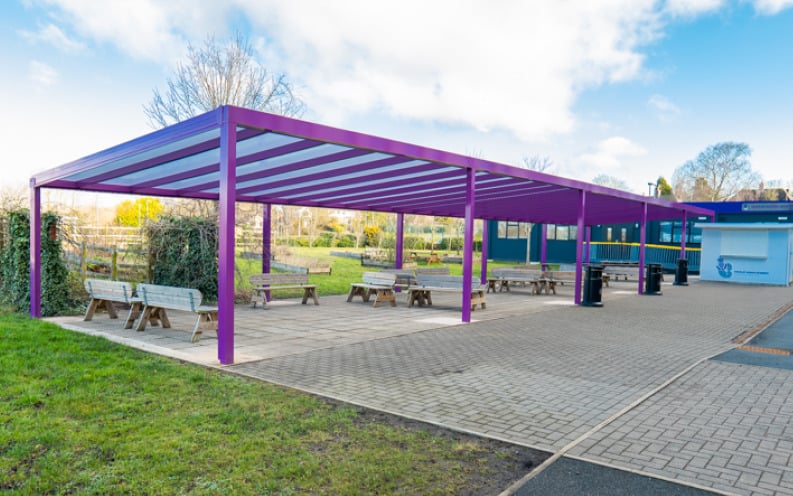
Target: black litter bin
(652, 281)
(681, 272)
(593, 286)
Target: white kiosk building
(757, 253)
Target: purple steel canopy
(291, 162)
(232, 154)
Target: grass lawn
(82, 415)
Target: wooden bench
(264, 283)
(379, 284)
(104, 293)
(623, 272)
(503, 277)
(403, 277)
(421, 293)
(434, 271)
(157, 299)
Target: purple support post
(267, 243)
(228, 182)
(642, 243)
(399, 245)
(543, 245)
(468, 241)
(588, 243)
(485, 241)
(579, 245)
(35, 251)
(683, 232)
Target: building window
(513, 230)
(624, 235)
(608, 234)
(550, 231)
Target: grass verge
(82, 415)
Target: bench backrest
(509, 274)
(450, 282)
(438, 271)
(562, 275)
(170, 297)
(108, 290)
(274, 279)
(403, 276)
(379, 278)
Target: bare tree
(537, 163)
(717, 174)
(610, 182)
(221, 74)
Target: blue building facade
(513, 241)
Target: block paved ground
(538, 371)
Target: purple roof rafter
(295, 162)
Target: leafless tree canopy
(610, 182)
(717, 174)
(217, 74)
(537, 163)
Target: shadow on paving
(568, 477)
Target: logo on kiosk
(724, 268)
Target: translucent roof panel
(289, 161)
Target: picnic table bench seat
(266, 282)
(437, 271)
(377, 284)
(158, 299)
(421, 292)
(503, 277)
(103, 294)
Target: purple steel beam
(311, 162)
(468, 242)
(228, 154)
(543, 245)
(398, 246)
(267, 232)
(393, 195)
(326, 174)
(182, 130)
(683, 231)
(35, 251)
(215, 167)
(642, 243)
(587, 253)
(579, 244)
(485, 247)
(389, 177)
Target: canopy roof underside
(291, 162)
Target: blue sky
(628, 88)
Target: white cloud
(771, 7)
(42, 75)
(508, 65)
(609, 153)
(504, 65)
(53, 35)
(690, 8)
(664, 108)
